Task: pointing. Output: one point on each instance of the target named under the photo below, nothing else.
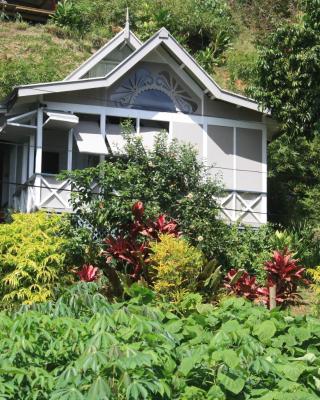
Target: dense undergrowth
(83, 347)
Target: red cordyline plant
(283, 272)
(286, 274)
(88, 273)
(133, 249)
(240, 283)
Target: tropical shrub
(83, 347)
(74, 15)
(287, 83)
(128, 253)
(248, 248)
(169, 179)
(306, 243)
(32, 260)
(175, 266)
(240, 283)
(314, 273)
(285, 272)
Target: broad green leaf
(230, 358)
(99, 390)
(291, 371)
(233, 385)
(265, 330)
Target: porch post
(103, 131)
(70, 144)
(264, 207)
(12, 174)
(38, 166)
(24, 172)
(234, 178)
(31, 156)
(39, 141)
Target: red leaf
(88, 273)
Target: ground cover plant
(83, 347)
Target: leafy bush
(129, 252)
(247, 248)
(176, 266)
(169, 179)
(32, 260)
(285, 272)
(306, 243)
(73, 14)
(196, 24)
(83, 347)
(240, 283)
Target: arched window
(153, 99)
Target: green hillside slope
(222, 36)
(31, 54)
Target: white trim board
(151, 115)
(161, 38)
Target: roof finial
(127, 26)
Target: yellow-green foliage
(315, 275)
(176, 266)
(31, 258)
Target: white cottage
(75, 123)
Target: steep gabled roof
(124, 36)
(162, 38)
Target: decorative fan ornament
(153, 91)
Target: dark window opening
(120, 120)
(50, 162)
(157, 125)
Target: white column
(103, 131)
(170, 133)
(138, 126)
(24, 172)
(39, 141)
(234, 166)
(264, 175)
(31, 156)
(12, 174)
(70, 144)
(205, 141)
(38, 164)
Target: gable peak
(163, 33)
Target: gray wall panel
(220, 152)
(221, 109)
(189, 133)
(249, 159)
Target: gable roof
(162, 38)
(124, 36)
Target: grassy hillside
(30, 54)
(222, 36)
